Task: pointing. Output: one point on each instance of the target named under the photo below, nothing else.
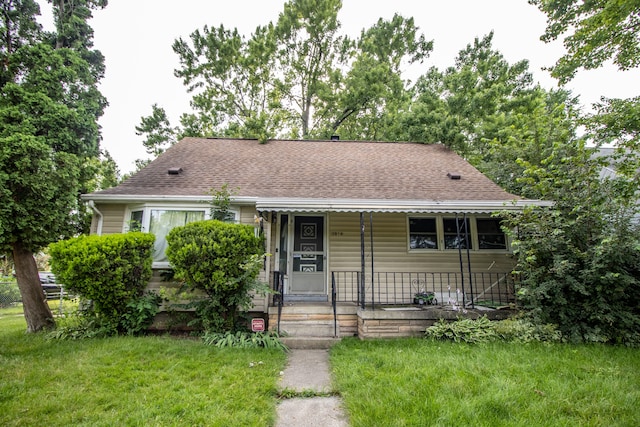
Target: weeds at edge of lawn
(421, 382)
(132, 381)
(289, 393)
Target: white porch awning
(393, 206)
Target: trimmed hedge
(222, 260)
(110, 270)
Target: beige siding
(390, 248)
(391, 255)
(247, 214)
(112, 219)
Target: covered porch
(365, 266)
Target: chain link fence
(9, 293)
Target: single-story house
(350, 226)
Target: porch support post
(362, 265)
(373, 293)
(466, 236)
(459, 242)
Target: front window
(457, 233)
(423, 233)
(490, 235)
(162, 221)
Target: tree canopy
(594, 32)
(295, 78)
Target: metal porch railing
(399, 288)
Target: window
(135, 223)
(162, 221)
(423, 233)
(490, 235)
(457, 233)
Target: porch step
(307, 328)
(309, 343)
(314, 320)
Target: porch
(381, 305)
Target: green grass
(161, 381)
(413, 382)
(149, 381)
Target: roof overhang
(133, 198)
(337, 205)
(393, 206)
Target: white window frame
(146, 209)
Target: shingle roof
(312, 169)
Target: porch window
(457, 233)
(490, 235)
(423, 233)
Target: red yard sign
(257, 324)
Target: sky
(136, 36)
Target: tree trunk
(34, 304)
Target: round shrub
(109, 270)
(222, 260)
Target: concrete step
(309, 343)
(308, 328)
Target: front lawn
(413, 382)
(131, 381)
(405, 382)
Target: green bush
(81, 325)
(463, 330)
(519, 330)
(223, 261)
(242, 339)
(110, 270)
(524, 331)
(139, 313)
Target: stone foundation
(412, 322)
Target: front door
(308, 258)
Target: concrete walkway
(308, 371)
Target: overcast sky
(135, 36)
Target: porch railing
(278, 296)
(489, 289)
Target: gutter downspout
(92, 205)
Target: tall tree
(308, 52)
(49, 105)
(373, 90)
(295, 78)
(231, 81)
(157, 130)
(580, 260)
(594, 32)
(456, 107)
